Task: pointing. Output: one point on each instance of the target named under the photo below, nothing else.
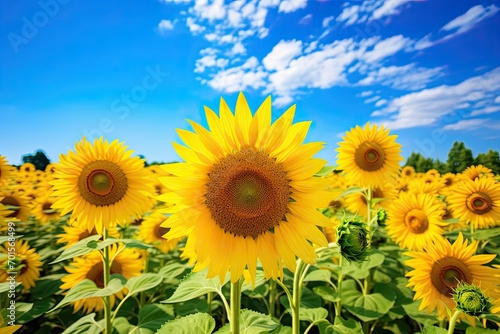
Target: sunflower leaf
(252, 322)
(152, 317)
(82, 325)
(78, 249)
(326, 170)
(142, 283)
(350, 191)
(199, 323)
(341, 326)
(313, 315)
(195, 285)
(87, 289)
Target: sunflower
(449, 181)
(150, 231)
(408, 172)
(370, 156)
(438, 270)
(477, 172)
(42, 210)
(27, 168)
(246, 191)
(101, 184)
(415, 220)
(476, 202)
(26, 264)
(356, 202)
(4, 170)
(73, 234)
(126, 262)
(426, 184)
(17, 204)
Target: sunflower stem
(107, 273)
(338, 306)
(272, 297)
(471, 231)
(298, 279)
(453, 321)
(210, 297)
(234, 322)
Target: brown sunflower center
(102, 183)
(160, 231)
(15, 206)
(479, 203)
(369, 156)
(335, 204)
(248, 193)
(416, 221)
(447, 272)
(96, 273)
(448, 181)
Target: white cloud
(193, 26)
(407, 77)
(165, 25)
(238, 48)
(239, 78)
(386, 47)
(389, 7)
(487, 110)
(327, 20)
(214, 11)
(380, 103)
(306, 19)
(427, 106)
(372, 99)
(466, 124)
(366, 93)
(288, 6)
(470, 18)
(281, 54)
(369, 10)
(209, 60)
(176, 1)
(349, 14)
(497, 99)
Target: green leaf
(142, 283)
(172, 271)
(282, 330)
(88, 289)
(342, 326)
(477, 330)
(491, 317)
(47, 286)
(152, 317)
(82, 325)
(39, 307)
(421, 316)
(434, 330)
(199, 323)
(320, 275)
(122, 326)
(367, 307)
(327, 293)
(260, 279)
(313, 315)
(326, 170)
(5, 286)
(195, 285)
(78, 249)
(252, 322)
(362, 270)
(308, 299)
(351, 190)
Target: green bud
(471, 300)
(381, 217)
(352, 238)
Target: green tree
(440, 167)
(490, 160)
(459, 158)
(39, 159)
(419, 162)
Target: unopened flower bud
(352, 238)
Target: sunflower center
(247, 193)
(14, 204)
(160, 231)
(335, 204)
(102, 183)
(447, 272)
(479, 203)
(369, 156)
(416, 221)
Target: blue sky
(136, 70)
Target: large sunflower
(439, 269)
(477, 172)
(150, 231)
(414, 221)
(369, 156)
(26, 264)
(101, 184)
(476, 202)
(246, 191)
(126, 262)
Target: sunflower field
(249, 233)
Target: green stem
(453, 321)
(338, 305)
(471, 231)
(210, 297)
(272, 297)
(298, 279)
(107, 299)
(142, 298)
(234, 322)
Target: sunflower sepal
(352, 238)
(471, 300)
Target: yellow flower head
(25, 263)
(246, 191)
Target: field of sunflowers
(250, 233)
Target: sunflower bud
(352, 238)
(471, 300)
(381, 217)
